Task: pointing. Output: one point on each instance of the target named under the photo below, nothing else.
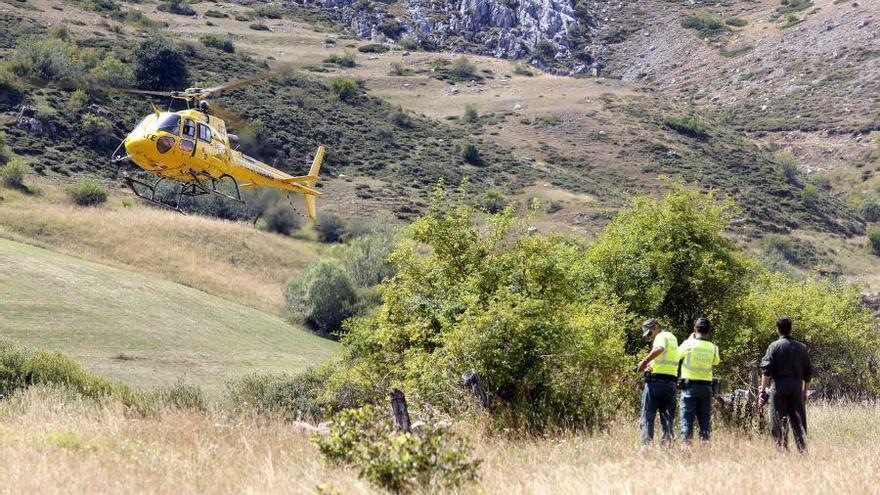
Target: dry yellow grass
(56, 444)
(227, 259)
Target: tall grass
(54, 442)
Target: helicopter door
(207, 151)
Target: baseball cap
(647, 326)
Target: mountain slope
(141, 329)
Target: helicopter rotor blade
(213, 91)
(232, 119)
(169, 94)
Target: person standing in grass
(661, 367)
(697, 356)
(787, 364)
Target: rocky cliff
(551, 34)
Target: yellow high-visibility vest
(666, 363)
(697, 359)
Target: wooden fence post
(471, 379)
(398, 407)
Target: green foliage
(331, 229)
(112, 72)
(810, 195)
(179, 396)
(345, 88)
(789, 165)
(401, 119)
(50, 59)
(259, 26)
(176, 7)
(522, 69)
(87, 192)
(397, 69)
(366, 258)
(799, 253)
(281, 219)
(791, 6)
(159, 64)
(409, 44)
(216, 14)
(344, 59)
(373, 48)
(463, 69)
(546, 49)
(13, 173)
(98, 131)
(11, 89)
(705, 25)
(471, 155)
(736, 22)
(61, 32)
(874, 239)
(214, 41)
(870, 211)
(429, 460)
(322, 295)
(77, 101)
(687, 126)
(512, 307)
(470, 113)
(3, 153)
(828, 317)
(669, 259)
(493, 202)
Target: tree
(322, 295)
(668, 259)
(159, 65)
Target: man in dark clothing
(787, 363)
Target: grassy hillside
(230, 260)
(141, 329)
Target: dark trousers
(696, 403)
(658, 396)
(787, 410)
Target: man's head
(783, 326)
(702, 326)
(650, 327)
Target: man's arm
(762, 392)
(767, 363)
(650, 357)
(808, 373)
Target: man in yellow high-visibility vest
(659, 392)
(697, 356)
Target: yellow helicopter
(193, 148)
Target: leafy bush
(789, 165)
(113, 73)
(3, 156)
(98, 131)
(11, 89)
(344, 59)
(77, 101)
(13, 173)
(366, 258)
(409, 44)
(176, 7)
(397, 69)
(736, 22)
(522, 69)
(688, 126)
(470, 154)
(810, 195)
(87, 192)
(214, 41)
(46, 58)
(322, 296)
(402, 119)
(428, 460)
(331, 228)
(874, 239)
(493, 202)
(797, 252)
(373, 48)
(705, 25)
(470, 113)
(345, 88)
(159, 64)
(259, 26)
(281, 219)
(178, 396)
(545, 49)
(216, 14)
(463, 69)
(870, 211)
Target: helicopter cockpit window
(204, 133)
(169, 123)
(189, 128)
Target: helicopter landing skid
(133, 184)
(206, 184)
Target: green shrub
(397, 69)
(345, 88)
(281, 219)
(331, 229)
(77, 101)
(270, 11)
(11, 89)
(409, 44)
(176, 7)
(322, 295)
(113, 73)
(366, 258)
(687, 126)
(427, 461)
(810, 195)
(3, 154)
(242, 18)
(214, 41)
(470, 113)
(789, 165)
(259, 26)
(463, 69)
(493, 202)
(470, 154)
(736, 22)
(46, 58)
(344, 59)
(160, 65)
(705, 25)
(87, 192)
(98, 131)
(797, 252)
(61, 32)
(178, 396)
(373, 48)
(13, 173)
(401, 119)
(874, 239)
(546, 49)
(870, 211)
(216, 14)
(522, 69)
